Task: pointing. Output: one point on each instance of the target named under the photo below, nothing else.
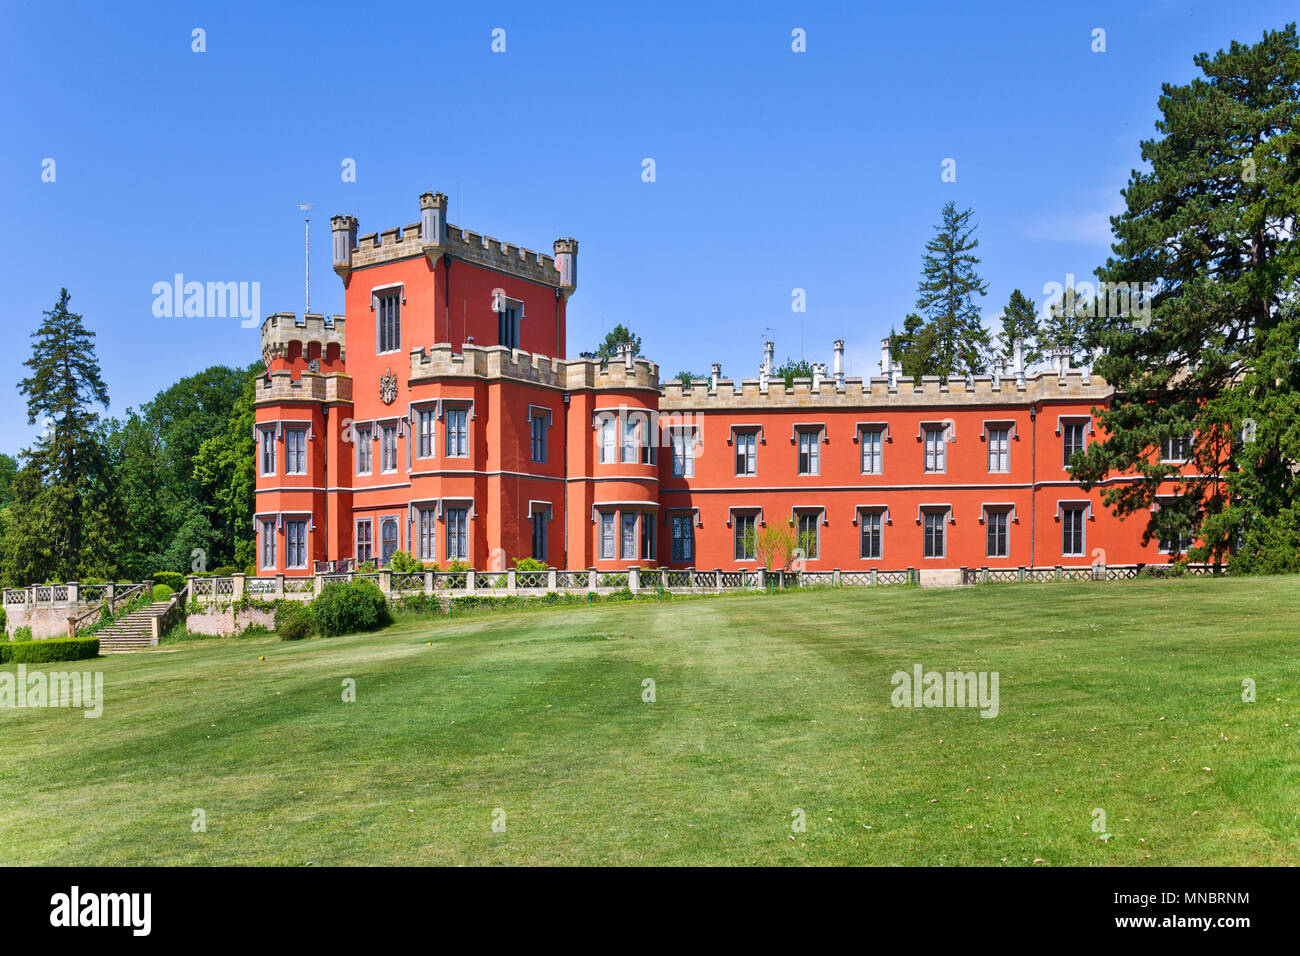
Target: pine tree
(617, 336)
(1019, 321)
(946, 296)
(913, 348)
(56, 526)
(1069, 326)
(1210, 226)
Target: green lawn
(1125, 697)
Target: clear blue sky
(775, 170)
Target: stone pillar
(592, 579)
(319, 584)
(470, 583)
(428, 582)
(279, 585)
(386, 581)
(835, 577)
(873, 577)
(634, 579)
(74, 592)
(238, 582)
(552, 579)
(512, 581)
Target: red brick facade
(442, 418)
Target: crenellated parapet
(282, 329)
(283, 386)
(485, 362)
(433, 236)
(499, 362)
(1075, 384)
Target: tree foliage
(1211, 227)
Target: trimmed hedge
(161, 592)
(44, 652)
(170, 578)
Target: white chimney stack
(839, 363)
(769, 360)
(819, 373)
(716, 374)
(1019, 362)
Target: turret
(344, 229)
(433, 219)
(566, 261)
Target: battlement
(282, 328)
(497, 361)
(907, 393)
(281, 386)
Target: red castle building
(441, 416)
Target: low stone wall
(228, 622)
(45, 620)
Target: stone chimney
(626, 350)
(839, 363)
(566, 260)
(714, 376)
(888, 367)
(344, 229)
(433, 220)
(1018, 365)
(819, 373)
(765, 370)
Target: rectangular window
(870, 523)
(873, 460)
(1072, 439)
(999, 439)
(746, 443)
(1177, 449)
(683, 537)
(295, 451)
(539, 519)
(425, 419)
(936, 459)
(268, 545)
(267, 437)
(295, 543)
(388, 309)
(363, 435)
(627, 536)
(809, 530)
(607, 535)
(631, 441)
(1072, 537)
(365, 540)
(746, 536)
(458, 534)
(936, 526)
(606, 438)
(647, 536)
(428, 530)
(809, 450)
(996, 522)
(537, 436)
(457, 428)
(508, 327)
(388, 448)
(684, 453)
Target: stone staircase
(133, 632)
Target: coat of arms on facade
(388, 388)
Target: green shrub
(530, 564)
(254, 630)
(421, 604)
(170, 578)
(23, 633)
(403, 563)
(250, 571)
(44, 652)
(4, 619)
(293, 620)
(457, 565)
(161, 592)
(346, 607)
(224, 571)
